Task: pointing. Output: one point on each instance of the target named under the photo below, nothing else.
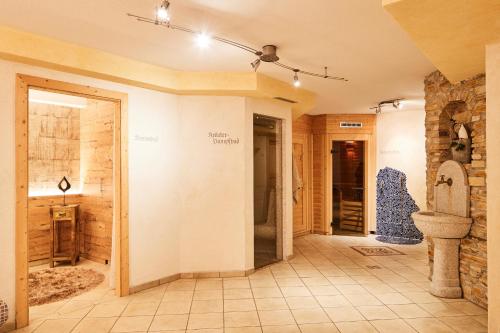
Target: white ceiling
(356, 39)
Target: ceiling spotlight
(203, 40)
(255, 64)
(396, 103)
(296, 81)
(162, 14)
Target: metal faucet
(448, 181)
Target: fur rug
(55, 284)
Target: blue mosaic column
(394, 208)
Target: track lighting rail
(268, 53)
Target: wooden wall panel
(319, 183)
(96, 143)
(54, 146)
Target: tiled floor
(327, 287)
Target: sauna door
(348, 192)
(301, 221)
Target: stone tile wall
(464, 102)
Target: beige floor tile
(205, 295)
(208, 306)
(243, 330)
(75, 309)
(469, 308)
(324, 290)
(351, 289)
(362, 299)
(205, 330)
(112, 309)
(177, 295)
(441, 309)
(356, 327)
(310, 316)
(95, 325)
(295, 291)
(344, 313)
(429, 325)
(271, 304)
(232, 305)
(393, 298)
(182, 285)
(172, 307)
(378, 288)
(169, 322)
(241, 319)
(409, 311)
(237, 293)
(332, 301)
(263, 283)
(281, 329)
(267, 292)
(364, 279)
(276, 317)
(392, 326)
(421, 297)
(316, 281)
(205, 320)
(318, 328)
(208, 284)
(406, 287)
(465, 324)
(147, 296)
(236, 283)
(304, 302)
(373, 312)
(141, 309)
(290, 282)
(340, 280)
(132, 324)
(57, 326)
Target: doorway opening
(268, 224)
(349, 184)
(69, 139)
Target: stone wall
(462, 103)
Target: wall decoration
(64, 185)
(394, 208)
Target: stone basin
(441, 225)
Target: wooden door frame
(369, 152)
(120, 176)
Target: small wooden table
(60, 215)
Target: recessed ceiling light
(162, 14)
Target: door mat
(55, 284)
(377, 251)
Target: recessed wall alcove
(464, 103)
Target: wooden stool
(60, 215)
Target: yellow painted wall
(54, 54)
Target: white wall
(190, 200)
(401, 146)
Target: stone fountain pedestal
(445, 279)
(447, 225)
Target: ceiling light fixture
(203, 40)
(267, 54)
(396, 103)
(162, 14)
(255, 64)
(296, 81)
